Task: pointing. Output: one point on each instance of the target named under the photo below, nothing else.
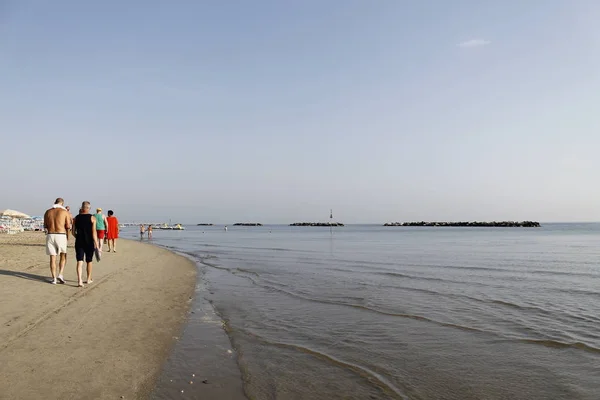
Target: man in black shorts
(86, 241)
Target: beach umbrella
(13, 214)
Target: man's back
(84, 228)
(57, 220)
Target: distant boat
(176, 227)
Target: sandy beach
(104, 341)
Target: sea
(373, 312)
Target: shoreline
(191, 371)
(107, 340)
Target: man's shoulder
(53, 211)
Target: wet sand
(104, 341)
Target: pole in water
(331, 221)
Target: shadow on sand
(34, 277)
(25, 275)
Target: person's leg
(51, 251)
(61, 244)
(89, 257)
(89, 273)
(109, 245)
(114, 245)
(79, 267)
(100, 239)
(79, 254)
(53, 268)
(61, 267)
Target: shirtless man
(57, 223)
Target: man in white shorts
(57, 223)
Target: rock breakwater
(494, 224)
(317, 224)
(247, 224)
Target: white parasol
(14, 214)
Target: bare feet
(89, 281)
(80, 284)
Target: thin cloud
(474, 43)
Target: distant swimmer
(57, 223)
(149, 231)
(225, 228)
(142, 231)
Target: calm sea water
(371, 312)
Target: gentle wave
(546, 342)
(579, 291)
(429, 278)
(560, 345)
(365, 308)
(521, 307)
(370, 376)
(203, 261)
(374, 266)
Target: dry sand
(103, 341)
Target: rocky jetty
(317, 224)
(247, 224)
(494, 224)
(204, 224)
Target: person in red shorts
(101, 226)
(112, 223)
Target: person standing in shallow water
(149, 231)
(100, 227)
(142, 230)
(113, 231)
(86, 241)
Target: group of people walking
(90, 232)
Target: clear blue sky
(276, 111)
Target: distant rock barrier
(247, 224)
(317, 224)
(494, 224)
(204, 224)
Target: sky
(278, 111)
